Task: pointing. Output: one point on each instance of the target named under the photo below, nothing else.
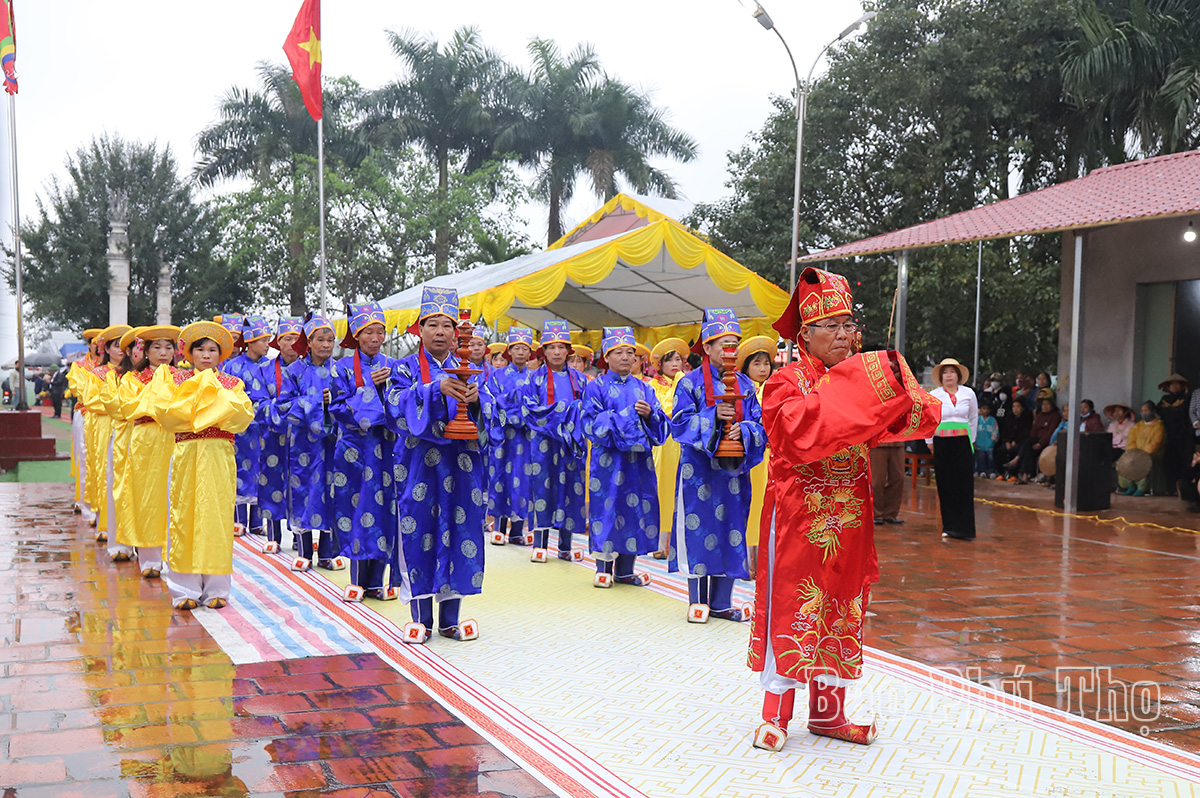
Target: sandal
(151, 573)
(187, 605)
(217, 604)
(466, 630)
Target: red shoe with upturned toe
(827, 716)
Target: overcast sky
(154, 70)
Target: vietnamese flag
(8, 47)
(303, 48)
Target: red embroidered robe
(821, 425)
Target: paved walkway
(105, 691)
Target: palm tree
(577, 122)
(265, 134)
(1136, 74)
(448, 103)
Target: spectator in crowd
(1022, 391)
(1014, 432)
(995, 395)
(1044, 389)
(1180, 434)
(39, 383)
(1062, 427)
(1120, 422)
(1044, 423)
(986, 437)
(1089, 421)
(1189, 490)
(1148, 435)
(1194, 415)
(58, 389)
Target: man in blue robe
(508, 434)
(713, 495)
(247, 446)
(624, 422)
(304, 405)
(439, 479)
(363, 499)
(274, 496)
(553, 401)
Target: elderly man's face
(827, 340)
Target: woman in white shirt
(953, 449)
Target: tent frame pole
(1074, 377)
(901, 299)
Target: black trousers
(954, 467)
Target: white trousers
(79, 448)
(200, 588)
(150, 557)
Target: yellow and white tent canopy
(657, 277)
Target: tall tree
(578, 122)
(265, 134)
(943, 105)
(448, 102)
(66, 275)
(1136, 73)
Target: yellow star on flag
(312, 47)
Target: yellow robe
(147, 468)
(111, 395)
(98, 438)
(758, 487)
(666, 460)
(77, 377)
(203, 471)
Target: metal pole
(978, 301)
(321, 214)
(1074, 377)
(12, 141)
(801, 97)
(901, 298)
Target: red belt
(143, 420)
(211, 432)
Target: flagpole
(21, 404)
(321, 202)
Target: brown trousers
(887, 479)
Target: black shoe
(893, 520)
(957, 536)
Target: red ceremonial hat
(819, 295)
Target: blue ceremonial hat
(231, 321)
(555, 331)
(312, 322)
(255, 327)
(614, 337)
(438, 302)
(717, 322)
(520, 335)
(286, 326)
(481, 332)
(359, 316)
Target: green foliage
(381, 225)
(66, 275)
(939, 108)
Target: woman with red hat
(822, 414)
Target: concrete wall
(1115, 260)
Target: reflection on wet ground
(1099, 619)
(106, 691)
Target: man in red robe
(822, 415)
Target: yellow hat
(753, 345)
(158, 332)
(642, 349)
(198, 330)
(92, 332)
(499, 346)
(585, 352)
(113, 333)
(669, 345)
(128, 338)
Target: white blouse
(962, 407)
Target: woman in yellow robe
(756, 359)
(78, 377)
(668, 355)
(100, 447)
(117, 384)
(144, 491)
(204, 409)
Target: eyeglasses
(849, 327)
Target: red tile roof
(1165, 186)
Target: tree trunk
(441, 244)
(555, 229)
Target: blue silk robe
(555, 471)
(712, 500)
(508, 492)
(314, 436)
(274, 495)
(363, 499)
(624, 491)
(439, 483)
(247, 446)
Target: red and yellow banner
(303, 48)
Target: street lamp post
(763, 18)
